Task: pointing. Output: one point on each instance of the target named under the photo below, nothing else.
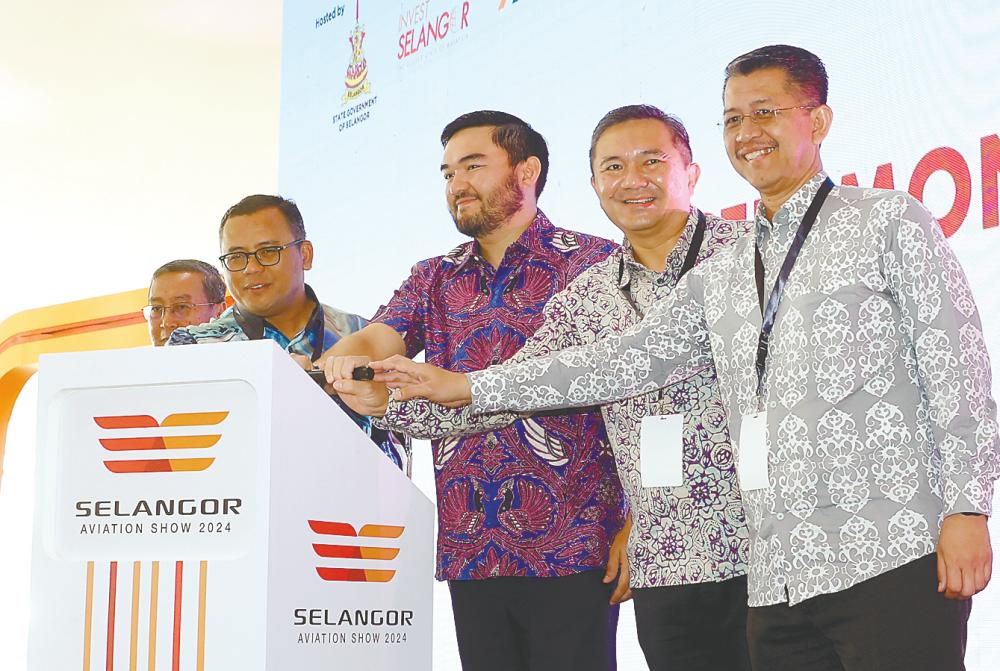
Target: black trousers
(894, 622)
(535, 624)
(699, 627)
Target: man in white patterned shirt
(874, 482)
(688, 545)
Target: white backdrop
(906, 78)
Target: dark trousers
(895, 621)
(535, 624)
(699, 627)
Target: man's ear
(693, 174)
(528, 172)
(822, 119)
(306, 248)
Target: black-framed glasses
(760, 117)
(266, 256)
(179, 311)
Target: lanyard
(253, 326)
(770, 311)
(689, 261)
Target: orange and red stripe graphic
(174, 652)
(179, 442)
(338, 551)
(175, 658)
(109, 658)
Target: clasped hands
(408, 378)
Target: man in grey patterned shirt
(688, 546)
(882, 450)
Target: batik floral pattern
(692, 533)
(896, 427)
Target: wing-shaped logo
(158, 447)
(338, 531)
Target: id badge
(752, 464)
(661, 450)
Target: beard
(499, 205)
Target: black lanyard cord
(769, 312)
(689, 261)
(253, 327)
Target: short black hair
(214, 285)
(804, 69)
(258, 202)
(637, 112)
(515, 136)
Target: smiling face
(481, 187)
(640, 176)
(776, 156)
(266, 291)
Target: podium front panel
(188, 503)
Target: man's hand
(422, 380)
(364, 398)
(340, 367)
(965, 558)
(618, 564)
(303, 361)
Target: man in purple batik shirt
(527, 513)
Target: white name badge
(752, 463)
(661, 450)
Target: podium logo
(158, 460)
(342, 530)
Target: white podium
(209, 507)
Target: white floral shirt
(878, 386)
(688, 534)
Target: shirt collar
(535, 237)
(255, 325)
(629, 263)
(794, 209)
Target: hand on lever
(365, 398)
(341, 367)
(423, 380)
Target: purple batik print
(540, 497)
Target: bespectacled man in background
(185, 292)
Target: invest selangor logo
(158, 446)
(339, 531)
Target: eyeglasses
(266, 256)
(179, 311)
(760, 117)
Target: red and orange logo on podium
(344, 530)
(160, 445)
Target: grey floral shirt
(692, 533)
(880, 418)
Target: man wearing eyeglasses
(855, 375)
(185, 292)
(265, 254)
